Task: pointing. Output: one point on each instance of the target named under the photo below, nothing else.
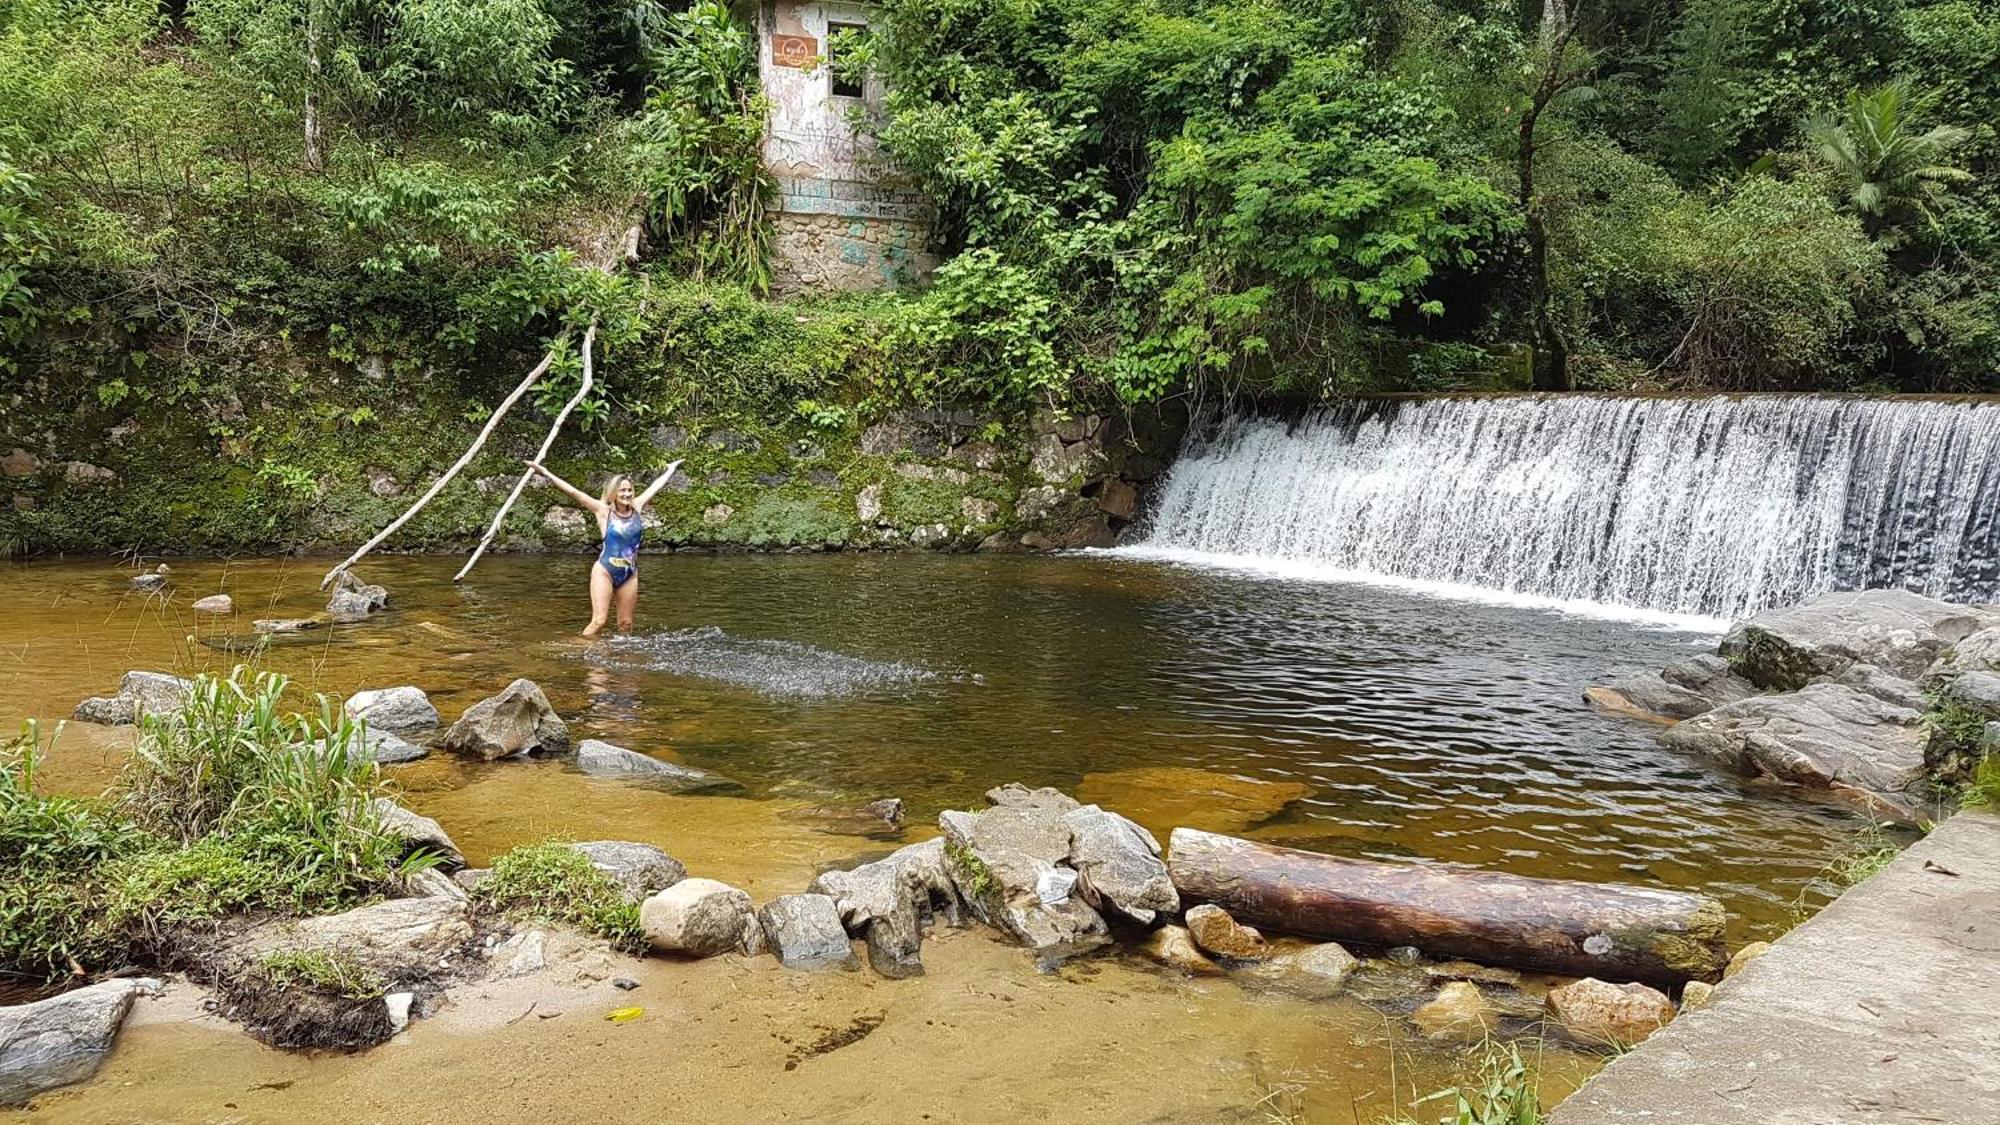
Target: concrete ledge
(1884, 1008)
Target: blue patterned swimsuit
(620, 557)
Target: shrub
(553, 882)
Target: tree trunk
(1605, 930)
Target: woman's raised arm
(577, 494)
(654, 488)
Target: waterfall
(1715, 506)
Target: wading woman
(614, 576)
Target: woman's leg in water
(600, 599)
(626, 599)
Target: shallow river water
(1350, 719)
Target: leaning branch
(464, 459)
(548, 442)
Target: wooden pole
(548, 442)
(464, 459)
(1609, 931)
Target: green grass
(335, 973)
(1983, 791)
(553, 882)
(1503, 1092)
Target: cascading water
(1715, 507)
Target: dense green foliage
(228, 806)
(1137, 200)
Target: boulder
(914, 878)
(403, 940)
(1120, 864)
(138, 693)
(1216, 932)
(1174, 947)
(894, 942)
(640, 870)
(602, 759)
(1978, 652)
(430, 881)
(1015, 795)
(1458, 1013)
(1007, 864)
(1975, 692)
(354, 600)
(397, 710)
(1681, 690)
(1619, 1015)
(61, 1040)
(1826, 737)
(419, 832)
(517, 721)
(696, 918)
(805, 932)
(385, 749)
(1897, 631)
(1870, 680)
(216, 604)
(1316, 972)
(149, 583)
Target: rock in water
(218, 604)
(1459, 1012)
(285, 624)
(1895, 630)
(138, 693)
(517, 721)
(1001, 858)
(1681, 690)
(386, 749)
(1215, 931)
(1825, 736)
(1171, 795)
(150, 583)
(1174, 947)
(61, 1040)
(913, 877)
(1316, 972)
(1619, 1015)
(419, 831)
(353, 600)
(894, 945)
(1120, 864)
(639, 870)
(696, 918)
(602, 759)
(805, 932)
(397, 710)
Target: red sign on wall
(794, 50)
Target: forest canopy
(1138, 199)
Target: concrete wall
(845, 220)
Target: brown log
(1610, 931)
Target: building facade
(844, 221)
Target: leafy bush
(553, 882)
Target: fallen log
(1609, 931)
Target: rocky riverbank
(1883, 700)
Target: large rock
(602, 759)
(696, 918)
(353, 599)
(138, 693)
(387, 749)
(1216, 932)
(1897, 631)
(1870, 680)
(1009, 865)
(1120, 864)
(397, 710)
(517, 721)
(1973, 692)
(805, 932)
(403, 940)
(893, 944)
(1825, 736)
(420, 832)
(1978, 652)
(61, 1040)
(914, 877)
(216, 604)
(1618, 1015)
(639, 870)
(1681, 690)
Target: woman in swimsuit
(614, 577)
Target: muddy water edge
(1388, 724)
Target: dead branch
(548, 442)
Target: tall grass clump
(1502, 1093)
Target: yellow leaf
(624, 1015)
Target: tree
(1889, 169)
(1561, 72)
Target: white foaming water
(1685, 508)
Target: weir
(1713, 506)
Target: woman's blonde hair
(610, 496)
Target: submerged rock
(1215, 931)
(1681, 690)
(1621, 1015)
(138, 693)
(1897, 631)
(354, 600)
(1825, 736)
(215, 604)
(398, 710)
(878, 820)
(519, 720)
(602, 759)
(639, 870)
(285, 624)
(697, 918)
(1316, 972)
(805, 932)
(1174, 947)
(150, 583)
(420, 832)
(1169, 795)
(61, 1040)
(1458, 1012)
